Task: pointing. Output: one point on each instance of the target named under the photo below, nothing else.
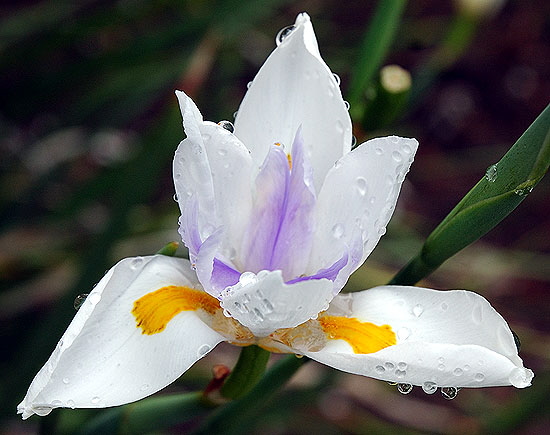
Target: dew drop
(402, 365)
(79, 300)
(235, 114)
(361, 184)
(396, 156)
(458, 371)
(338, 231)
(429, 387)
(94, 298)
(248, 85)
(336, 78)
(353, 142)
(42, 410)
(404, 388)
(283, 33)
(227, 125)
(379, 151)
(203, 350)
(175, 197)
(400, 373)
(523, 191)
(379, 369)
(418, 310)
(444, 306)
(441, 360)
(258, 314)
(406, 149)
(136, 262)
(268, 306)
(403, 333)
(71, 404)
(441, 367)
(95, 400)
(479, 377)
(389, 365)
(449, 393)
(520, 377)
(66, 381)
(491, 173)
(346, 105)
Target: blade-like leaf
(505, 185)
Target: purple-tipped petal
(223, 276)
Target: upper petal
(295, 87)
(444, 338)
(264, 303)
(357, 200)
(104, 359)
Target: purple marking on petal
(293, 244)
(189, 227)
(329, 273)
(268, 211)
(223, 276)
(204, 263)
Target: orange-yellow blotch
(154, 310)
(363, 337)
(289, 158)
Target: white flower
(276, 216)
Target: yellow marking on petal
(289, 158)
(363, 337)
(154, 310)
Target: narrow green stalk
(247, 372)
(169, 249)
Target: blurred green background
(89, 124)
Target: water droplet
(94, 298)
(338, 231)
(404, 388)
(346, 105)
(523, 190)
(479, 377)
(402, 365)
(389, 365)
(95, 400)
(144, 387)
(66, 381)
(235, 114)
(400, 373)
(403, 333)
(71, 404)
(79, 300)
(136, 262)
(283, 33)
(353, 142)
(418, 310)
(336, 78)
(379, 369)
(466, 368)
(429, 387)
(406, 149)
(477, 314)
(444, 306)
(381, 231)
(441, 367)
(258, 314)
(449, 393)
(226, 313)
(268, 306)
(379, 151)
(203, 350)
(227, 125)
(491, 173)
(42, 410)
(362, 186)
(441, 360)
(458, 371)
(396, 156)
(394, 139)
(175, 197)
(520, 377)
(248, 85)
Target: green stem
(247, 372)
(413, 272)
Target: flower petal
(295, 87)
(444, 338)
(357, 200)
(264, 303)
(214, 165)
(104, 359)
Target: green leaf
(376, 44)
(247, 372)
(505, 185)
(169, 249)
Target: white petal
(444, 338)
(264, 303)
(103, 359)
(295, 87)
(358, 198)
(215, 166)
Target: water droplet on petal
(42, 410)
(203, 350)
(458, 371)
(520, 377)
(429, 387)
(248, 85)
(441, 367)
(404, 388)
(235, 114)
(403, 333)
(449, 393)
(339, 126)
(402, 365)
(444, 306)
(136, 262)
(523, 191)
(338, 231)
(268, 306)
(379, 151)
(79, 300)
(95, 399)
(361, 184)
(418, 310)
(396, 156)
(400, 373)
(379, 369)
(227, 125)
(66, 381)
(389, 365)
(346, 105)
(94, 298)
(175, 197)
(406, 149)
(283, 33)
(71, 404)
(353, 142)
(222, 152)
(479, 377)
(144, 387)
(491, 173)
(258, 314)
(336, 78)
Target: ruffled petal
(264, 303)
(104, 359)
(213, 165)
(443, 339)
(295, 87)
(357, 200)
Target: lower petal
(442, 339)
(112, 354)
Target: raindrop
(353, 142)
(248, 85)
(380, 369)
(379, 151)
(361, 184)
(203, 350)
(418, 310)
(136, 262)
(441, 367)
(239, 307)
(404, 388)
(520, 377)
(226, 313)
(338, 231)
(381, 231)
(400, 373)
(444, 306)
(235, 114)
(71, 404)
(227, 125)
(346, 105)
(79, 300)
(42, 410)
(441, 360)
(406, 149)
(403, 333)
(458, 371)
(175, 197)
(268, 306)
(402, 365)
(479, 377)
(389, 365)
(339, 126)
(94, 298)
(523, 191)
(396, 156)
(66, 381)
(283, 33)
(429, 387)
(259, 315)
(449, 393)
(336, 78)
(95, 400)
(491, 173)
